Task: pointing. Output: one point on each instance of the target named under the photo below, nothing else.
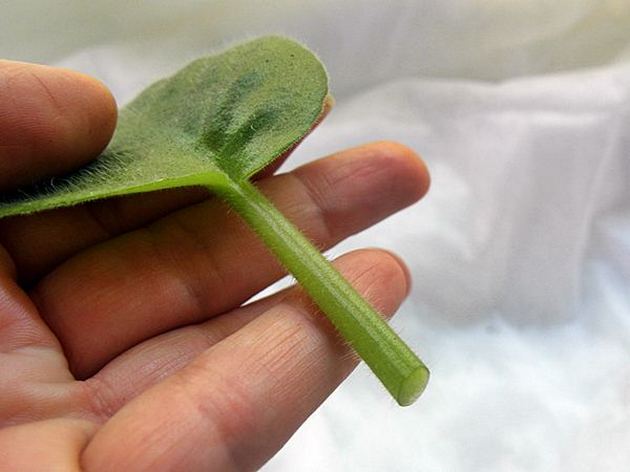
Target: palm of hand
(124, 343)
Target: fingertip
(104, 109)
(410, 164)
(401, 271)
(379, 275)
(89, 108)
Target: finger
(45, 445)
(41, 241)
(151, 361)
(239, 401)
(197, 262)
(51, 121)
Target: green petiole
(401, 372)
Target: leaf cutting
(216, 123)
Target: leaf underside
(222, 117)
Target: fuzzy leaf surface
(222, 117)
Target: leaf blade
(192, 123)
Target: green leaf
(216, 123)
(230, 114)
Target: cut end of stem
(413, 386)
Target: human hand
(124, 342)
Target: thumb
(51, 121)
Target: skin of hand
(125, 343)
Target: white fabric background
(521, 251)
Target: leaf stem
(394, 363)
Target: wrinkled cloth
(520, 253)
